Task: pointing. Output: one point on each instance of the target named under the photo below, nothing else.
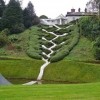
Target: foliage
(83, 51)
(65, 50)
(12, 16)
(90, 27)
(61, 39)
(45, 50)
(43, 17)
(48, 36)
(97, 49)
(3, 38)
(47, 44)
(50, 29)
(29, 16)
(33, 49)
(17, 28)
(2, 52)
(2, 7)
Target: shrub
(45, 50)
(13, 38)
(2, 52)
(47, 44)
(97, 49)
(3, 38)
(18, 47)
(48, 36)
(33, 54)
(34, 48)
(60, 39)
(61, 31)
(65, 50)
(44, 56)
(5, 31)
(17, 28)
(57, 47)
(51, 29)
(90, 27)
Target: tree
(93, 5)
(43, 17)
(27, 18)
(30, 9)
(90, 27)
(29, 15)
(98, 5)
(13, 17)
(2, 7)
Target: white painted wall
(59, 21)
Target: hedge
(65, 50)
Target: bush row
(33, 49)
(65, 50)
(49, 36)
(45, 50)
(64, 30)
(60, 39)
(47, 44)
(60, 45)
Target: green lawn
(51, 92)
(72, 72)
(21, 68)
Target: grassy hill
(24, 45)
(83, 51)
(74, 68)
(20, 68)
(51, 92)
(72, 72)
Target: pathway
(39, 78)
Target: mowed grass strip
(72, 72)
(51, 92)
(20, 68)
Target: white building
(62, 20)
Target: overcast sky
(53, 8)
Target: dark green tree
(30, 9)
(13, 17)
(43, 17)
(29, 16)
(2, 7)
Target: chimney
(72, 10)
(85, 10)
(79, 10)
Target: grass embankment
(72, 72)
(83, 51)
(24, 44)
(28, 69)
(51, 92)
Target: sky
(53, 8)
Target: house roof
(61, 16)
(79, 14)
